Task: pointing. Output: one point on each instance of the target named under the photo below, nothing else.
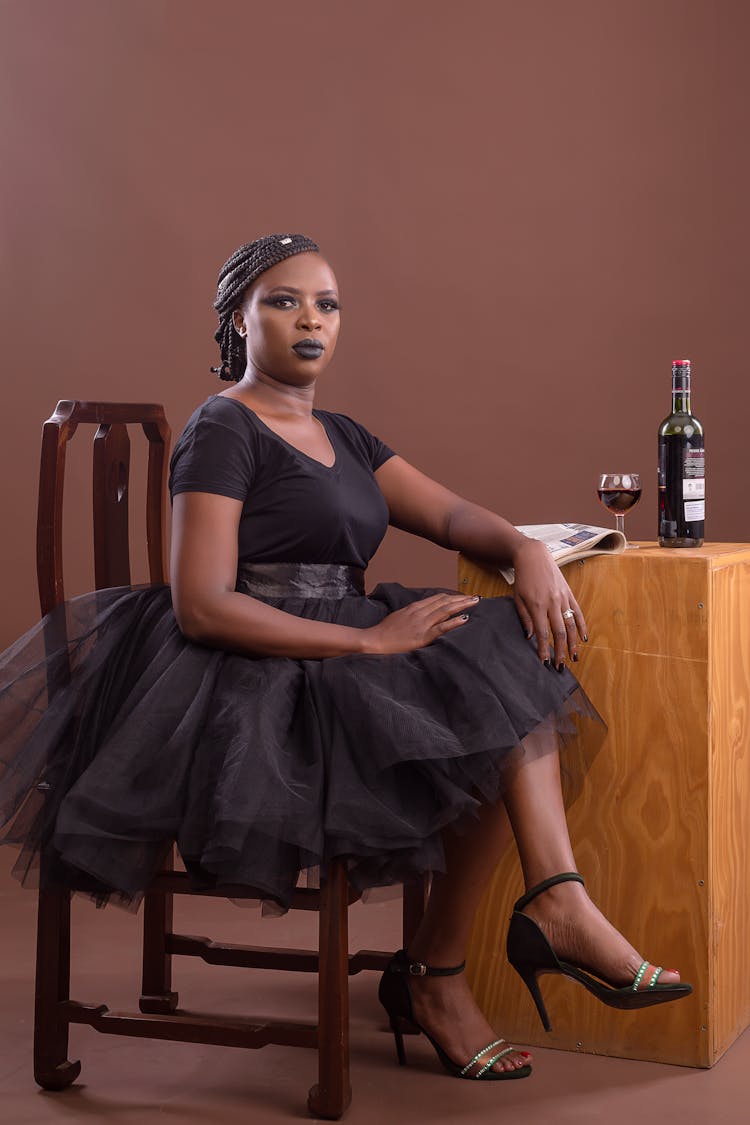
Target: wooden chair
(159, 1016)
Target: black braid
(239, 271)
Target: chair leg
(157, 997)
(333, 1093)
(52, 1069)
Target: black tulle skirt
(120, 737)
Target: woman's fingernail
(464, 617)
(528, 634)
(548, 663)
(475, 598)
(561, 666)
(527, 1054)
(575, 657)
(585, 638)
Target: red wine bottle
(682, 468)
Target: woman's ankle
(561, 897)
(437, 955)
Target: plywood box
(661, 831)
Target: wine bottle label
(694, 484)
(694, 488)
(695, 510)
(695, 463)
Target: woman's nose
(309, 317)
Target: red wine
(682, 468)
(619, 499)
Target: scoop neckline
(288, 444)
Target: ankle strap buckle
(401, 963)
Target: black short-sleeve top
(294, 508)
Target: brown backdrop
(531, 208)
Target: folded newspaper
(567, 542)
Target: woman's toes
(514, 1061)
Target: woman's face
(293, 303)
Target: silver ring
(568, 613)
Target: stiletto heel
(395, 997)
(398, 1036)
(531, 954)
(529, 979)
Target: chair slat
(110, 493)
(56, 432)
(159, 435)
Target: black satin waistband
(301, 580)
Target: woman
(277, 717)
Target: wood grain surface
(729, 677)
(661, 828)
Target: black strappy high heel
(531, 954)
(395, 997)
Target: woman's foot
(581, 935)
(445, 1007)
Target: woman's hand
(543, 600)
(418, 624)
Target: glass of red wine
(619, 492)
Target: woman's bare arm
(422, 506)
(210, 611)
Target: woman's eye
(283, 302)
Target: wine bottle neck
(681, 388)
(680, 400)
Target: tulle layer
(120, 737)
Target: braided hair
(239, 271)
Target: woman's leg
(470, 860)
(574, 926)
(444, 1006)
(576, 929)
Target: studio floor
(142, 1082)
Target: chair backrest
(111, 479)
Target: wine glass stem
(620, 521)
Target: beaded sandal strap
(565, 877)
(493, 1060)
(484, 1051)
(639, 976)
(642, 972)
(656, 974)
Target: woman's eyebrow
(291, 289)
